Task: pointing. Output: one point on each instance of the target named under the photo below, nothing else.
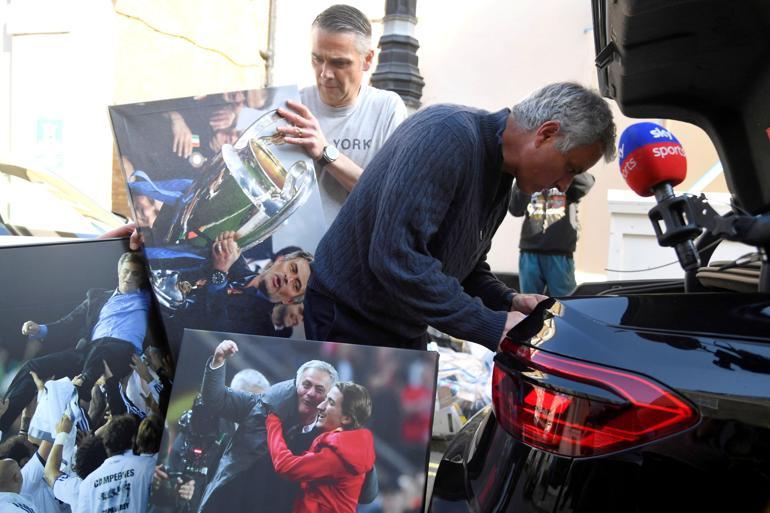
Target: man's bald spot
(9, 469)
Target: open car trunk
(706, 62)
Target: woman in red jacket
(332, 471)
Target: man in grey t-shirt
(341, 122)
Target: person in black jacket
(179, 482)
(245, 473)
(549, 236)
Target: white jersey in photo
(15, 503)
(120, 485)
(35, 489)
(58, 396)
(66, 488)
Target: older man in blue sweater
(409, 246)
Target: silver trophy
(250, 187)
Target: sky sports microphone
(652, 162)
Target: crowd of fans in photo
(81, 412)
(77, 456)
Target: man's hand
(223, 118)
(126, 230)
(185, 490)
(64, 425)
(30, 328)
(185, 287)
(182, 144)
(138, 365)
(224, 251)
(512, 320)
(149, 402)
(158, 477)
(306, 131)
(525, 303)
(104, 427)
(224, 350)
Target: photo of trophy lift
(250, 187)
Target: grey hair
(298, 254)
(583, 115)
(248, 379)
(346, 18)
(319, 365)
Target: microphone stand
(678, 220)
(672, 220)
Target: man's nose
(326, 71)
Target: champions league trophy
(250, 187)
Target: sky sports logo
(628, 166)
(659, 133)
(658, 151)
(663, 152)
(646, 135)
(647, 152)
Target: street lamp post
(397, 68)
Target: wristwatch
(329, 155)
(218, 277)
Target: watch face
(331, 153)
(218, 277)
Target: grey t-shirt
(358, 131)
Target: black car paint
(718, 362)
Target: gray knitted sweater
(409, 246)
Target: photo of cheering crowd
(86, 378)
(313, 426)
(230, 215)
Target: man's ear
(346, 420)
(368, 60)
(546, 132)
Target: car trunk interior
(705, 62)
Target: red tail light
(576, 409)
